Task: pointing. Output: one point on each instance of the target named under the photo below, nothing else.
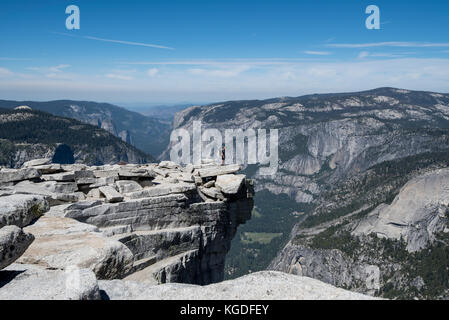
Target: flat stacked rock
(154, 223)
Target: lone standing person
(223, 155)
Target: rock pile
(152, 223)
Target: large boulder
(111, 194)
(81, 284)
(46, 187)
(13, 243)
(230, 183)
(63, 242)
(49, 168)
(169, 165)
(14, 175)
(36, 162)
(84, 177)
(21, 209)
(213, 193)
(162, 190)
(54, 192)
(61, 177)
(127, 186)
(33, 282)
(214, 171)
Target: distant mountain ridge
(344, 157)
(29, 134)
(146, 133)
(161, 112)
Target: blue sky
(203, 51)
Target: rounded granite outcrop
(156, 222)
(417, 214)
(265, 285)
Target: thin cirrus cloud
(318, 53)
(130, 43)
(152, 72)
(366, 54)
(54, 72)
(53, 69)
(5, 72)
(389, 44)
(279, 80)
(223, 62)
(219, 73)
(14, 59)
(115, 76)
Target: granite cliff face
(418, 214)
(343, 160)
(395, 248)
(155, 223)
(326, 138)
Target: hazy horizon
(160, 55)
(135, 106)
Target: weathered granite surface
(13, 243)
(266, 285)
(153, 223)
(25, 282)
(417, 214)
(20, 210)
(62, 242)
(33, 282)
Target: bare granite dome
(23, 108)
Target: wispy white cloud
(53, 72)
(52, 69)
(152, 72)
(222, 62)
(363, 54)
(367, 54)
(60, 67)
(14, 59)
(318, 53)
(5, 72)
(131, 43)
(389, 44)
(116, 76)
(220, 73)
(213, 83)
(59, 76)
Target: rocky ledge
(154, 223)
(34, 282)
